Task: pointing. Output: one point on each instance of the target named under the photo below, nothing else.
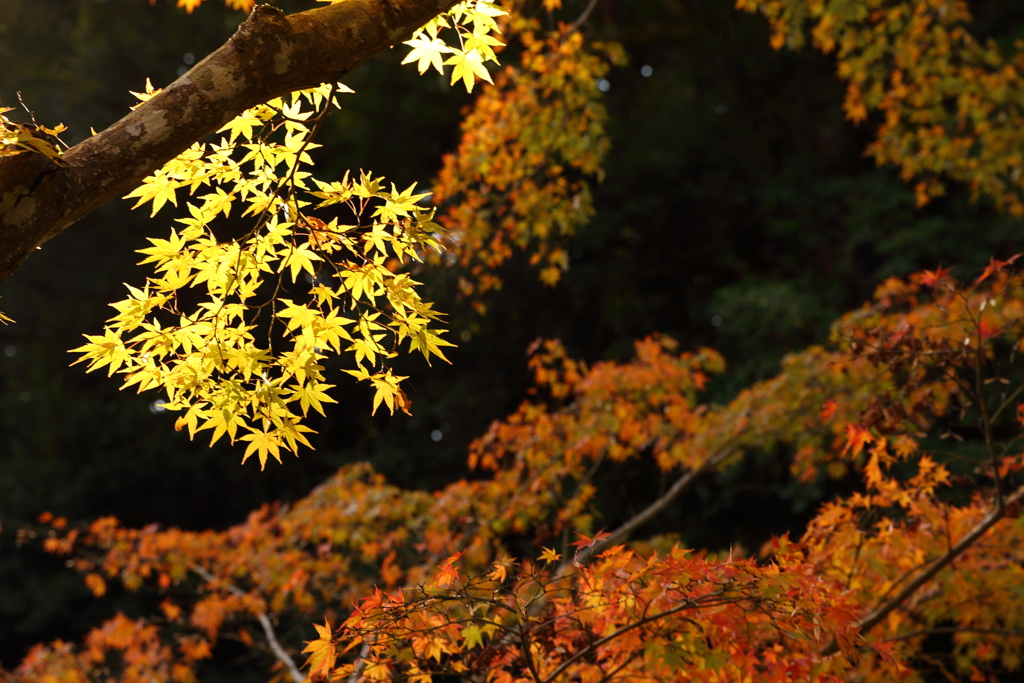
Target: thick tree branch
(271, 54)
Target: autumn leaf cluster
(949, 106)
(923, 545)
(912, 410)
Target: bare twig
(583, 17)
(987, 421)
(268, 628)
(645, 515)
(1008, 401)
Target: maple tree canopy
(271, 54)
(507, 576)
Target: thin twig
(644, 516)
(987, 421)
(583, 17)
(268, 628)
(1008, 401)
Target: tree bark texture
(270, 55)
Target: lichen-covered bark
(271, 54)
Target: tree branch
(583, 17)
(270, 55)
(645, 515)
(268, 628)
(689, 604)
(929, 570)
(954, 630)
(364, 652)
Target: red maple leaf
(586, 542)
(993, 267)
(930, 278)
(828, 410)
(987, 331)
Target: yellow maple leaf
(549, 556)
(468, 66)
(427, 51)
(262, 443)
(322, 651)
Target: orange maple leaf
(930, 278)
(448, 573)
(856, 438)
(586, 542)
(96, 584)
(994, 267)
(322, 651)
(828, 410)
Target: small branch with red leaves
(588, 650)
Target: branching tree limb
(268, 628)
(927, 572)
(271, 54)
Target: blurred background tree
(738, 212)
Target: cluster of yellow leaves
(473, 22)
(235, 332)
(950, 105)
(529, 143)
(214, 353)
(18, 138)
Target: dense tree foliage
(732, 209)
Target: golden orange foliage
(923, 546)
(950, 106)
(519, 179)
